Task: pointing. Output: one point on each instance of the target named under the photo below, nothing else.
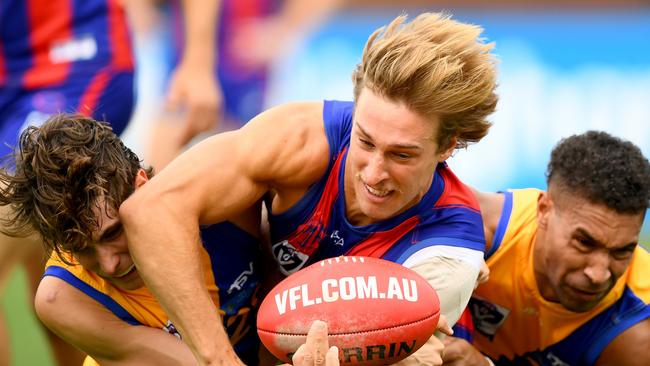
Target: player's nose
(375, 171)
(108, 260)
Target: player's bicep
(287, 145)
(227, 173)
(87, 325)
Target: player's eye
(583, 244)
(623, 253)
(402, 156)
(366, 143)
(112, 233)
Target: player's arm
(629, 348)
(85, 324)
(459, 352)
(216, 180)
(194, 88)
(491, 206)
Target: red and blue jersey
(70, 56)
(316, 227)
(44, 42)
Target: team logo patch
(487, 316)
(288, 257)
(171, 329)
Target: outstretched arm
(216, 180)
(85, 324)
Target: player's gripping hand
(458, 352)
(316, 351)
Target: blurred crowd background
(565, 67)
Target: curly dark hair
(603, 169)
(56, 176)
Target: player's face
(582, 249)
(392, 158)
(107, 254)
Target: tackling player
(364, 178)
(568, 281)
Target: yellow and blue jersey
(515, 325)
(230, 265)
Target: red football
(377, 312)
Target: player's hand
(430, 354)
(483, 274)
(458, 352)
(195, 94)
(316, 351)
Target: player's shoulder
(292, 112)
(54, 301)
(638, 276)
(455, 192)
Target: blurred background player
(222, 74)
(568, 281)
(58, 56)
(91, 294)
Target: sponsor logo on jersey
(336, 239)
(487, 316)
(289, 259)
(75, 49)
(241, 280)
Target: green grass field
(28, 342)
(28, 347)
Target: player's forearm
(166, 252)
(200, 18)
(146, 346)
(453, 280)
(100, 334)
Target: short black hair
(602, 169)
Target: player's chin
(581, 303)
(134, 282)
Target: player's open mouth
(126, 272)
(377, 192)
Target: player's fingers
(298, 358)
(332, 357)
(451, 350)
(317, 342)
(444, 327)
(437, 350)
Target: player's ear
(544, 207)
(140, 178)
(445, 152)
